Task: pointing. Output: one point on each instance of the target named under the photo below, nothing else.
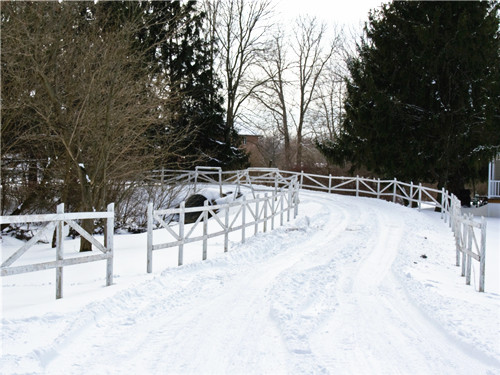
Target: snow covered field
(342, 289)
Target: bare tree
(311, 58)
(88, 94)
(272, 95)
(327, 113)
(293, 71)
(239, 28)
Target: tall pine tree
(423, 99)
(174, 33)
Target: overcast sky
(340, 12)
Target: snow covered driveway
(343, 289)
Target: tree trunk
(288, 151)
(88, 226)
(298, 164)
(87, 206)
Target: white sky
(349, 14)
(341, 12)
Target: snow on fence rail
(57, 221)
(406, 193)
(248, 213)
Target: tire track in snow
(304, 294)
(221, 325)
(375, 328)
(316, 296)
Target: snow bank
(426, 268)
(344, 288)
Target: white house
(494, 187)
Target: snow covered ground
(342, 289)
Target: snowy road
(325, 294)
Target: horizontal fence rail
(57, 221)
(410, 194)
(261, 210)
(273, 194)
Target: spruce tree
(175, 35)
(423, 97)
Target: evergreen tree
(174, 34)
(423, 99)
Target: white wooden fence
(274, 194)
(252, 178)
(57, 221)
(413, 195)
(464, 227)
(467, 231)
(260, 210)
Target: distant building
(250, 143)
(494, 187)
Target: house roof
(243, 129)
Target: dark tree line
(423, 97)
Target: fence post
(329, 183)
(273, 208)
(150, 238)
(464, 244)
(226, 227)
(265, 212)
(281, 204)
(59, 252)
(296, 200)
(482, 259)
(243, 219)
(205, 229)
(420, 196)
(451, 209)
(470, 229)
(301, 178)
(357, 185)
(454, 214)
(378, 188)
(410, 203)
(289, 207)
(394, 191)
(442, 205)
(257, 215)
(110, 229)
(182, 215)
